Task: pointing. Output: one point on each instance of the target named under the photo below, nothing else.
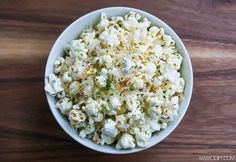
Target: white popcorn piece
(101, 80)
(154, 125)
(138, 83)
(126, 141)
(54, 85)
(92, 106)
(109, 37)
(98, 117)
(150, 68)
(142, 136)
(106, 139)
(59, 65)
(175, 102)
(121, 122)
(115, 102)
(167, 40)
(106, 60)
(78, 71)
(175, 61)
(127, 65)
(154, 112)
(67, 77)
(104, 22)
(109, 128)
(90, 128)
(64, 105)
(154, 101)
(157, 81)
(77, 115)
(74, 87)
(154, 30)
(157, 50)
(132, 102)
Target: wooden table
(28, 29)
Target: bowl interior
(74, 30)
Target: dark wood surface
(28, 29)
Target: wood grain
(28, 29)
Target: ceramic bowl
(73, 31)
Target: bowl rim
(187, 57)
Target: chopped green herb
(107, 116)
(119, 23)
(158, 67)
(98, 73)
(98, 92)
(103, 108)
(108, 84)
(164, 91)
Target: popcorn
(88, 85)
(154, 112)
(171, 114)
(106, 60)
(77, 115)
(126, 141)
(64, 105)
(96, 138)
(115, 102)
(150, 68)
(58, 65)
(109, 37)
(104, 22)
(77, 48)
(67, 77)
(157, 50)
(74, 87)
(138, 83)
(88, 35)
(137, 115)
(154, 101)
(154, 30)
(135, 36)
(142, 136)
(54, 85)
(178, 86)
(98, 117)
(175, 61)
(116, 73)
(163, 125)
(127, 65)
(92, 106)
(121, 122)
(77, 71)
(90, 128)
(154, 125)
(101, 80)
(175, 102)
(132, 102)
(119, 81)
(157, 81)
(167, 40)
(109, 128)
(169, 73)
(106, 139)
(130, 23)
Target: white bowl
(73, 31)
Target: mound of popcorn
(119, 82)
